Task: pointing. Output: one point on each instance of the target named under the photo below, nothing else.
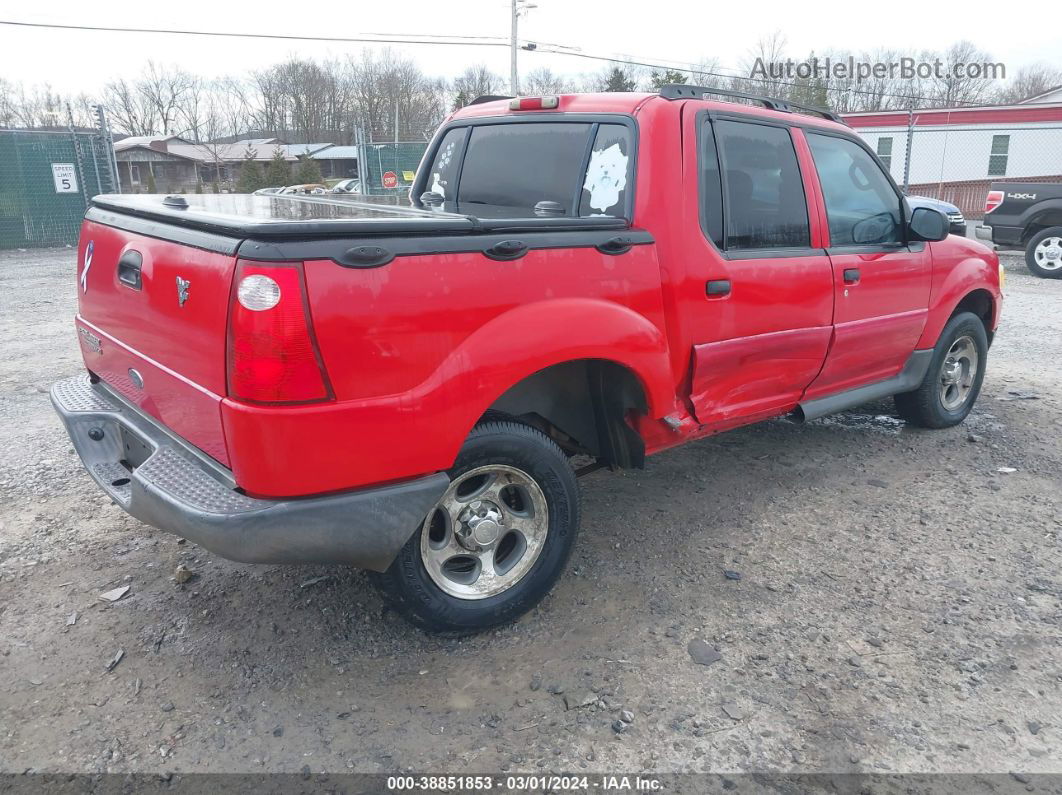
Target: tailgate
(152, 325)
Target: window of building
(997, 160)
(765, 202)
(862, 207)
(885, 152)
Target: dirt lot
(898, 607)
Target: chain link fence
(46, 181)
(388, 168)
(957, 164)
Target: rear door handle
(717, 287)
(507, 250)
(129, 265)
(851, 275)
(615, 245)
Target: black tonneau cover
(304, 217)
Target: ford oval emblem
(136, 378)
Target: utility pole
(514, 80)
(907, 151)
(518, 7)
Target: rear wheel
(497, 540)
(1043, 255)
(951, 384)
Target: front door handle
(717, 288)
(851, 275)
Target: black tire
(1030, 254)
(925, 406)
(410, 589)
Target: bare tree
(768, 50)
(165, 91)
(957, 88)
(543, 81)
(1028, 82)
(476, 81)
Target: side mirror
(430, 198)
(928, 224)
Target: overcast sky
(82, 61)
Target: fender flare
(1040, 208)
(548, 333)
(967, 277)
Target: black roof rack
(487, 98)
(681, 91)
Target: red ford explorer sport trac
(403, 386)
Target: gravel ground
(894, 604)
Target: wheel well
(583, 406)
(1041, 222)
(980, 303)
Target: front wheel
(497, 540)
(1043, 255)
(953, 381)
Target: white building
(957, 152)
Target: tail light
(272, 352)
(993, 200)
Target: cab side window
(861, 204)
(765, 203)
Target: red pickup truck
(404, 388)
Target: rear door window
(765, 202)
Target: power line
(693, 71)
(464, 41)
(378, 38)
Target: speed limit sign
(65, 178)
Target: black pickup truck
(1027, 215)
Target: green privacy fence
(400, 159)
(46, 180)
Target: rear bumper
(1007, 236)
(162, 481)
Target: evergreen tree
(252, 177)
(308, 172)
(278, 172)
(667, 77)
(617, 80)
(151, 187)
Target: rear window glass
(516, 166)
